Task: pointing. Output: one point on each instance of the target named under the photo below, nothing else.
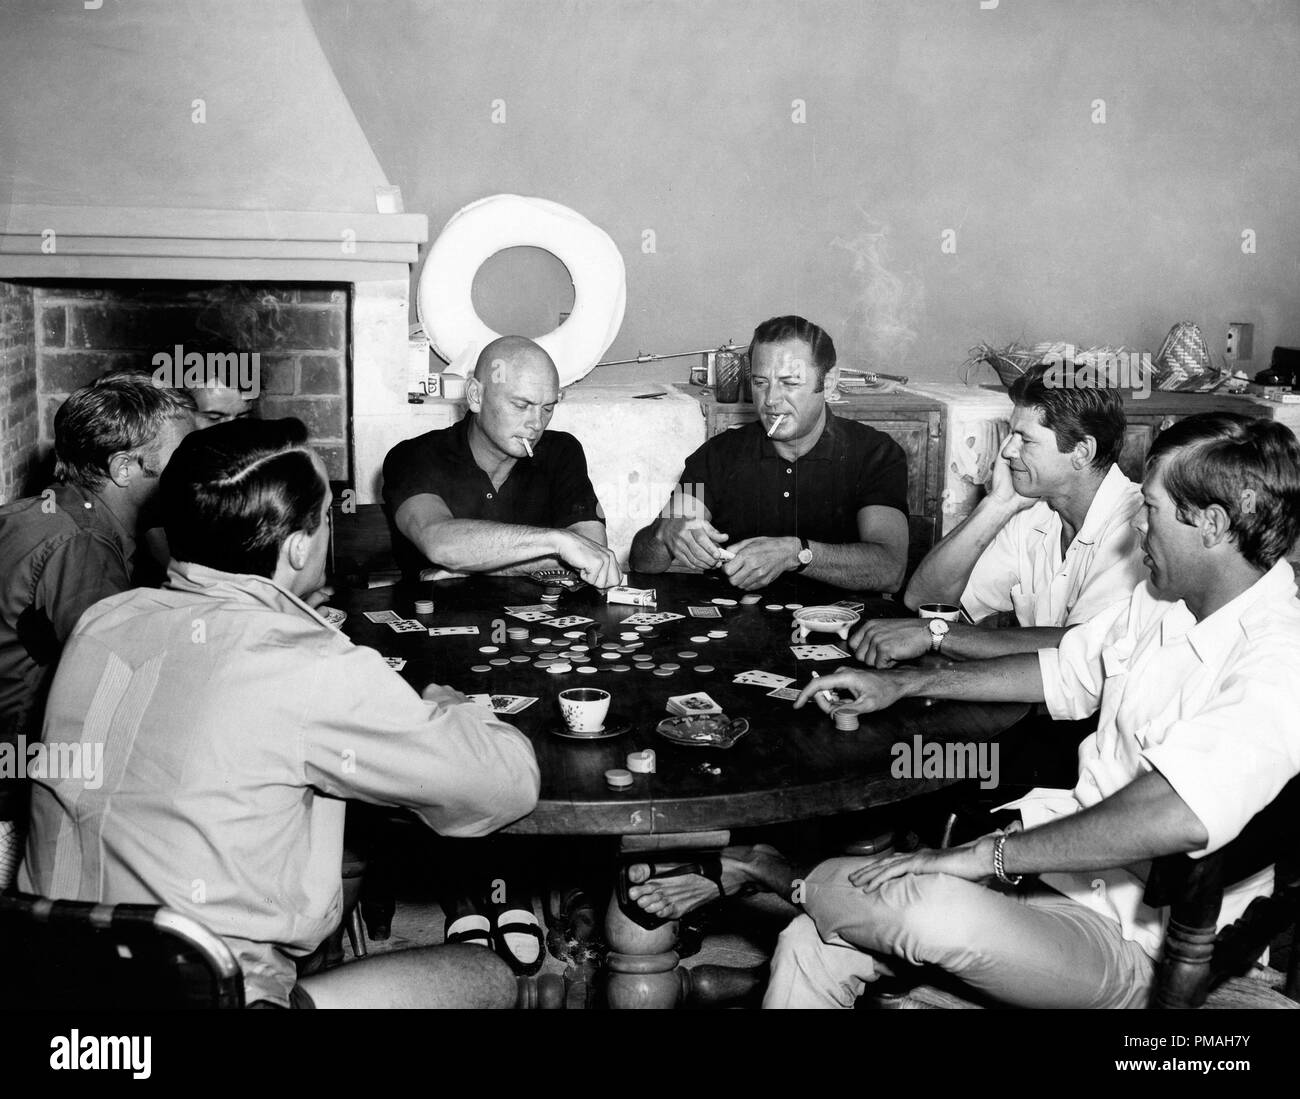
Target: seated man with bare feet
(652, 893)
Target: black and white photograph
(729, 506)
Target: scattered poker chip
(609, 656)
(588, 669)
(773, 607)
(704, 669)
(716, 634)
(581, 658)
(670, 667)
(609, 645)
(723, 601)
(663, 672)
(750, 600)
(541, 640)
(645, 666)
(541, 664)
(699, 639)
(499, 662)
(794, 606)
(579, 648)
(644, 629)
(546, 658)
(520, 658)
(488, 649)
(627, 648)
(480, 668)
(642, 658)
(688, 655)
(559, 667)
(573, 633)
(628, 635)
(619, 668)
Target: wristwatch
(805, 555)
(938, 631)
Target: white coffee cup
(946, 611)
(584, 709)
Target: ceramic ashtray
(836, 620)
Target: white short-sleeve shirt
(1211, 705)
(1023, 570)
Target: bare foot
(671, 898)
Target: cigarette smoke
(887, 304)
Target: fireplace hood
(186, 139)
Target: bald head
(509, 357)
(513, 393)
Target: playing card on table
(758, 678)
(647, 619)
(704, 612)
(532, 608)
(818, 652)
(848, 604)
(568, 621)
(531, 616)
(406, 625)
(395, 662)
(695, 703)
(787, 693)
(451, 631)
(383, 616)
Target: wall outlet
(1240, 344)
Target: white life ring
(444, 299)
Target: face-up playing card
(395, 662)
(646, 618)
(849, 604)
(568, 621)
(407, 625)
(818, 652)
(704, 612)
(383, 616)
(451, 631)
(504, 704)
(695, 703)
(787, 693)
(531, 616)
(758, 678)
(532, 608)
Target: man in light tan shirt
(233, 723)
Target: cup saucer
(609, 729)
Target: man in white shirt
(1052, 540)
(1197, 678)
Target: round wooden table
(792, 765)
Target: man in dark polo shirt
(801, 490)
(497, 492)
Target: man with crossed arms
(1197, 678)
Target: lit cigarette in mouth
(527, 447)
(775, 424)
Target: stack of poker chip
(845, 720)
(517, 633)
(424, 606)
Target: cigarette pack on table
(637, 597)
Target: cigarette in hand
(527, 447)
(775, 424)
(829, 696)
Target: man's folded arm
(472, 545)
(975, 564)
(368, 735)
(875, 563)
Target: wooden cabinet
(1148, 418)
(915, 422)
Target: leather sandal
(517, 926)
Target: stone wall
(19, 414)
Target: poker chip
(722, 601)
(424, 606)
(609, 645)
(627, 649)
(541, 640)
(499, 662)
(581, 658)
(588, 669)
(645, 666)
(488, 649)
(773, 607)
(794, 606)
(663, 672)
(546, 658)
(628, 635)
(699, 639)
(579, 648)
(619, 668)
(670, 667)
(559, 667)
(573, 633)
(644, 629)
(704, 669)
(480, 668)
(688, 655)
(521, 658)
(641, 658)
(540, 664)
(749, 600)
(609, 656)
(716, 634)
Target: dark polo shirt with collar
(551, 489)
(751, 491)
